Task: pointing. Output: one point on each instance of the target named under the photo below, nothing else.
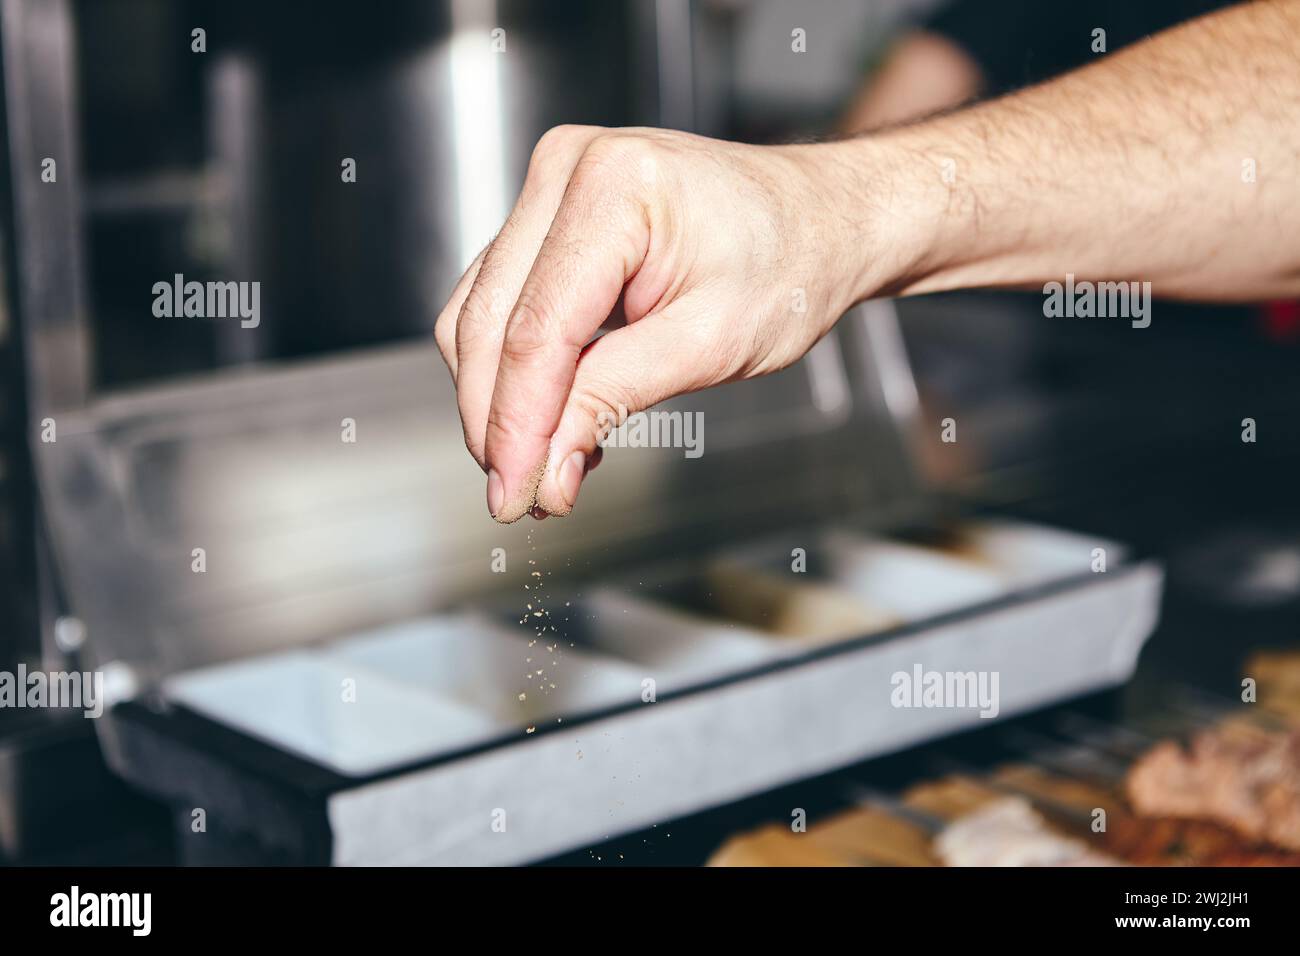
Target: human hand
(713, 261)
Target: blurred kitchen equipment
(286, 574)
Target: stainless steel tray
(435, 750)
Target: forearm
(1137, 167)
(1128, 170)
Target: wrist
(900, 220)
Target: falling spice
(537, 615)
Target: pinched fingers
(486, 307)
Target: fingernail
(539, 514)
(570, 477)
(496, 492)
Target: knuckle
(560, 137)
(617, 156)
(556, 145)
(604, 409)
(475, 316)
(499, 429)
(527, 334)
(511, 420)
(613, 390)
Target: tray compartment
(296, 701)
(422, 688)
(473, 661)
(913, 582)
(1025, 555)
(889, 582)
(674, 647)
(783, 609)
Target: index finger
(595, 245)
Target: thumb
(623, 372)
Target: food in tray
(1230, 799)
(1226, 795)
(1168, 841)
(875, 835)
(1010, 832)
(912, 582)
(1277, 680)
(1238, 775)
(857, 583)
(776, 845)
(1019, 553)
(1069, 792)
(949, 797)
(808, 611)
(861, 836)
(1145, 841)
(985, 828)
